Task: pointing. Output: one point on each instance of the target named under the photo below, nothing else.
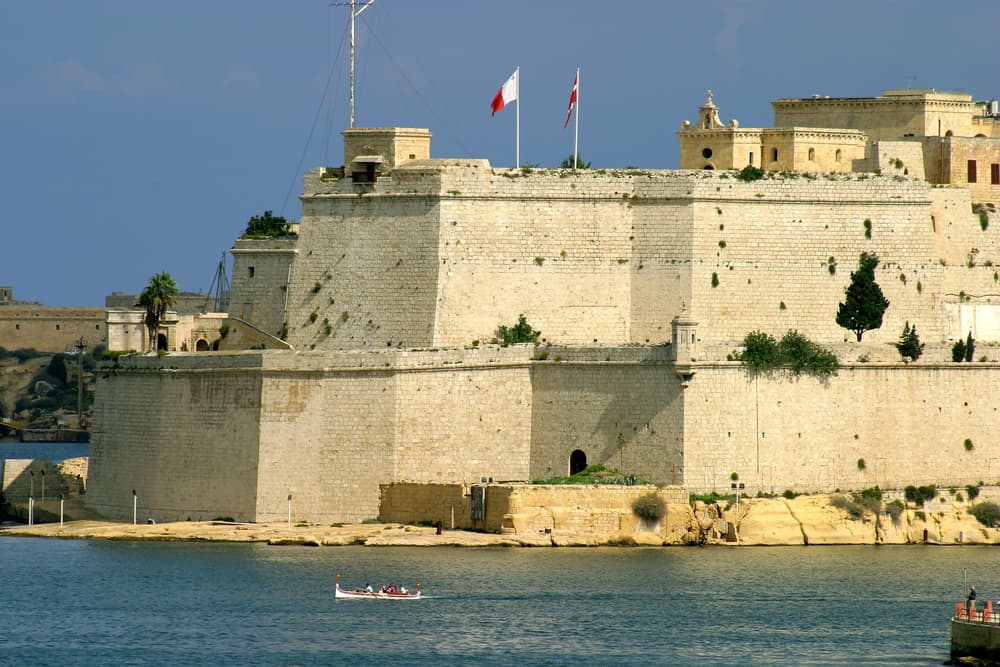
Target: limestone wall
(50, 328)
(604, 512)
(627, 416)
(763, 253)
(260, 281)
(908, 423)
(367, 276)
(182, 431)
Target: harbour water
(72, 602)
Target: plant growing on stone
(865, 304)
(894, 510)
(970, 347)
(649, 508)
(909, 344)
(266, 226)
(517, 334)
(973, 490)
(580, 164)
(750, 173)
(987, 513)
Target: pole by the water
(81, 345)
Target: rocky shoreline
(802, 521)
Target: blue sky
(139, 136)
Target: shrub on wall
(750, 173)
(519, 333)
(987, 513)
(650, 508)
(920, 494)
(795, 352)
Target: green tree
(970, 347)
(568, 163)
(865, 304)
(909, 344)
(266, 226)
(157, 298)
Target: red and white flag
(506, 94)
(572, 99)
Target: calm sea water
(71, 602)
(52, 451)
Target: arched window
(708, 167)
(202, 345)
(161, 341)
(577, 461)
(812, 154)
(708, 122)
(836, 155)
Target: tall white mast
(355, 13)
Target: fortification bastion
(642, 282)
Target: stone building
(945, 138)
(642, 282)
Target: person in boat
(368, 588)
(402, 589)
(392, 588)
(383, 589)
(971, 600)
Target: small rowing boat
(342, 594)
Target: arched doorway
(577, 461)
(161, 341)
(201, 345)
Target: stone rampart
(443, 252)
(602, 513)
(889, 425)
(50, 328)
(236, 434)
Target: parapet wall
(236, 434)
(443, 252)
(50, 328)
(889, 425)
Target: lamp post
(61, 501)
(43, 485)
(289, 511)
(31, 499)
(135, 504)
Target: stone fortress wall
(236, 434)
(609, 257)
(49, 328)
(435, 254)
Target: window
(836, 156)
(97, 327)
(250, 271)
(708, 122)
(706, 153)
(17, 327)
(751, 158)
(995, 174)
(812, 154)
(774, 155)
(972, 171)
(57, 327)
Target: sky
(139, 137)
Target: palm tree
(157, 298)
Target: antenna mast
(355, 13)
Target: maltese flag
(506, 94)
(572, 99)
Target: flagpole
(576, 124)
(517, 121)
